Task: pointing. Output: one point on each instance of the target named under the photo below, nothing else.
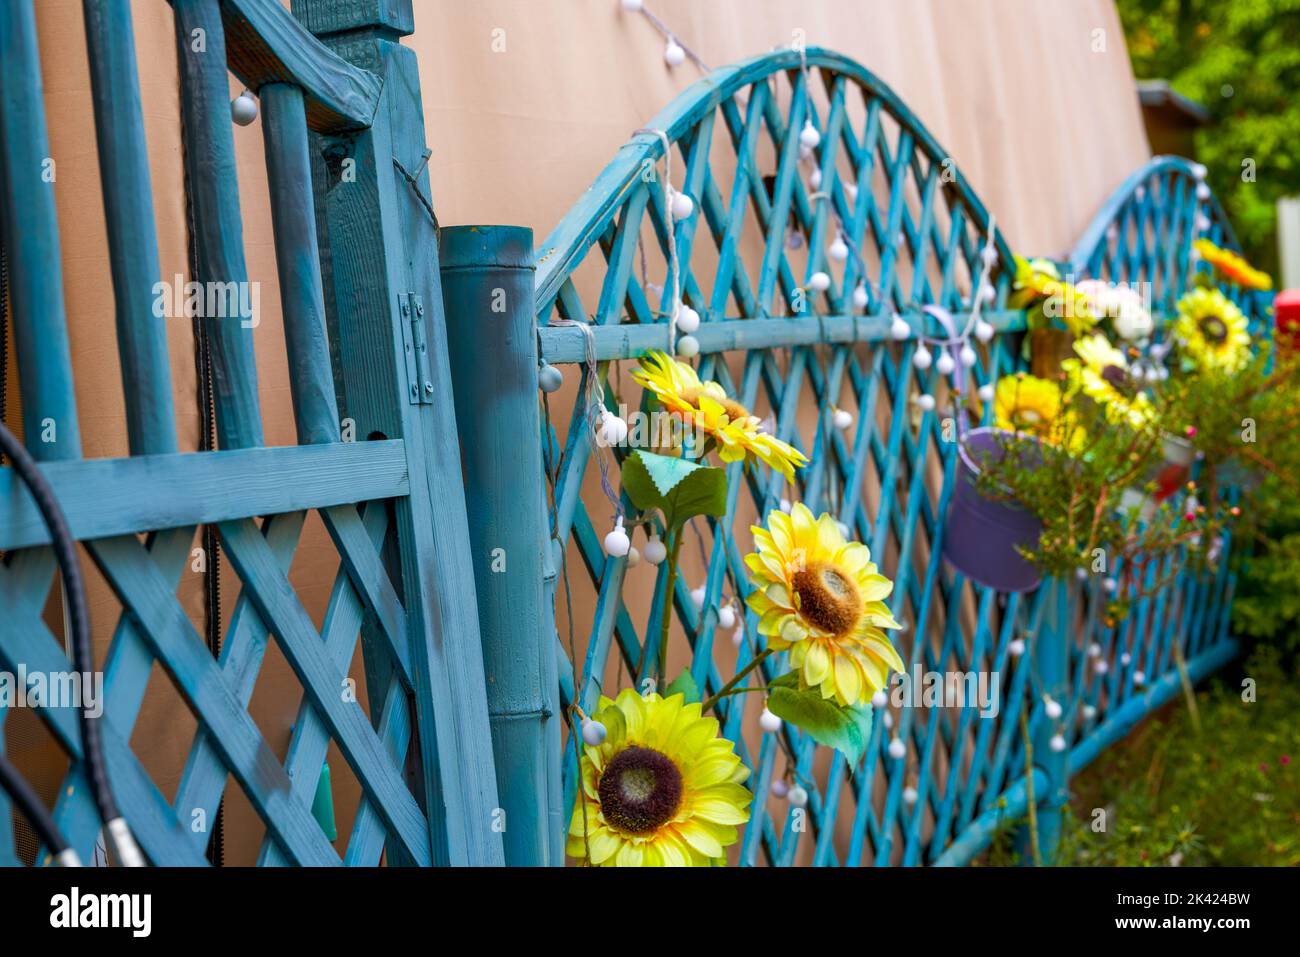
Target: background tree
(1241, 60)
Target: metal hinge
(419, 374)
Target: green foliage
(1226, 795)
(677, 487)
(1267, 601)
(829, 723)
(684, 684)
(1241, 60)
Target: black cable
(37, 814)
(74, 593)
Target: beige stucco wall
(1042, 122)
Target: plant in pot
(1056, 314)
(1065, 480)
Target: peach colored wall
(1044, 127)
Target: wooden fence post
(487, 288)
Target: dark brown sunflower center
(640, 790)
(827, 598)
(1119, 379)
(1214, 329)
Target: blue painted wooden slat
(218, 234)
(107, 497)
(31, 237)
(129, 218)
(288, 174)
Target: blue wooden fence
(357, 258)
(905, 208)
(464, 703)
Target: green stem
(1032, 807)
(674, 550)
(725, 690)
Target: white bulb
(1057, 743)
(889, 720)
(838, 250)
(1202, 223)
(805, 153)
(683, 206)
(1089, 712)
(1109, 584)
(1081, 574)
(1016, 647)
(944, 364)
(1094, 650)
(1102, 666)
(1052, 708)
(879, 699)
(1139, 678)
(989, 255)
(688, 320)
(909, 796)
(860, 298)
(922, 358)
(1125, 658)
(1199, 170)
(815, 179)
(655, 550)
(967, 356)
(808, 136)
(819, 281)
(899, 329)
(897, 749)
(779, 787)
(1140, 193)
(1202, 191)
(243, 109)
(726, 617)
(611, 429)
(925, 402)
(842, 418)
(550, 378)
(617, 543)
(593, 733)
(984, 331)
(633, 6)
(738, 636)
(798, 796)
(785, 506)
(987, 391)
(697, 598)
(688, 347)
(988, 293)
(633, 557)
(769, 722)
(674, 55)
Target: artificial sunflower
(736, 430)
(1102, 373)
(1038, 282)
(661, 790)
(1213, 331)
(822, 598)
(1233, 267)
(1026, 403)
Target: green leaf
(846, 729)
(684, 684)
(679, 488)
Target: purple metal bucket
(980, 536)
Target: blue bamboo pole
(487, 285)
(1051, 665)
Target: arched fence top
(595, 212)
(1144, 231)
